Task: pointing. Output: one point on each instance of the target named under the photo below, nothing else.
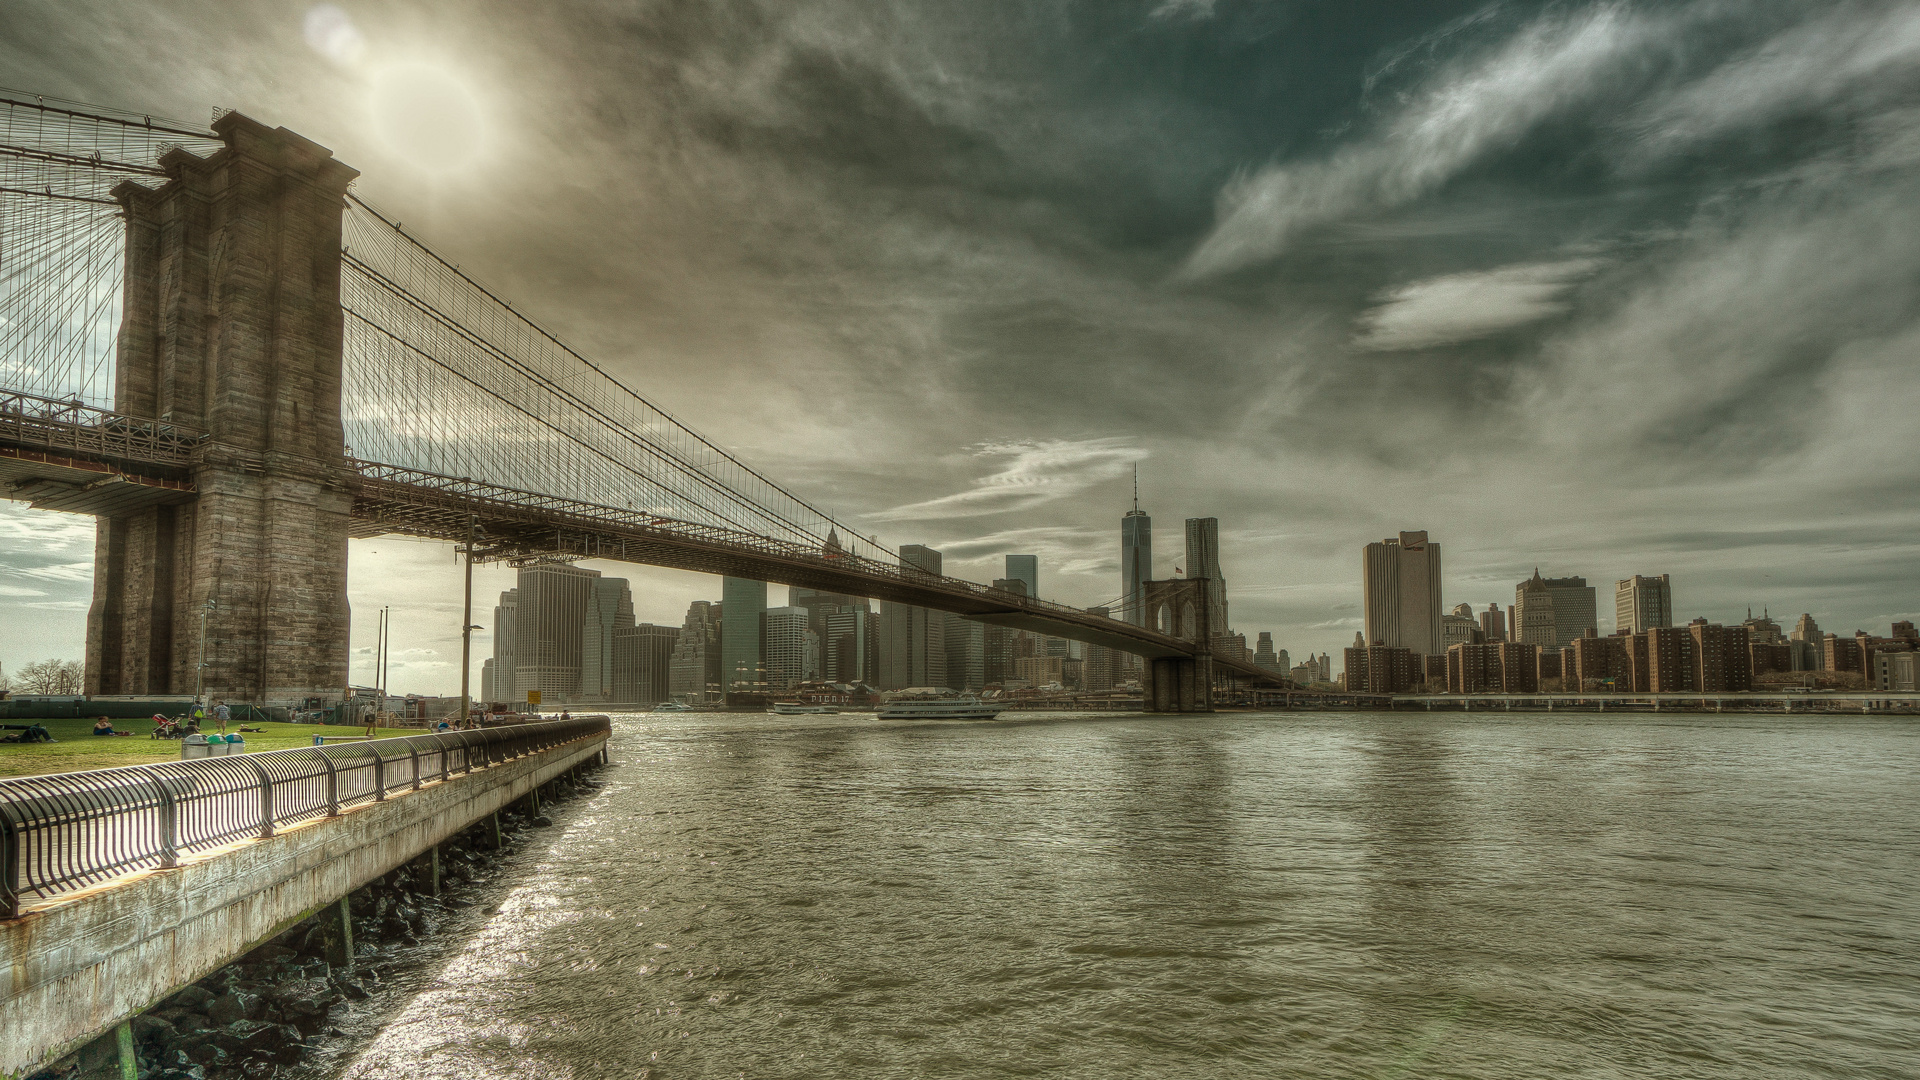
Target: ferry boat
(935, 703)
(672, 706)
(795, 708)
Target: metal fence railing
(69, 831)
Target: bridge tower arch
(1179, 684)
(231, 324)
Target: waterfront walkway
(120, 887)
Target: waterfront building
(1550, 664)
(609, 611)
(1203, 561)
(743, 608)
(1895, 671)
(1494, 667)
(643, 664)
(552, 609)
(694, 674)
(966, 653)
(1136, 560)
(1843, 654)
(1382, 669)
(1024, 569)
(504, 687)
(1669, 660)
(1493, 624)
(1593, 662)
(1400, 584)
(792, 648)
(1769, 658)
(1640, 602)
(913, 640)
(1721, 659)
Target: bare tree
(50, 677)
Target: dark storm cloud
(1602, 285)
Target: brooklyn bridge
(216, 348)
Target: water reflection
(1344, 896)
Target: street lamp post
(200, 671)
(467, 628)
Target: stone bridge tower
(1178, 606)
(231, 324)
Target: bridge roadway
(64, 456)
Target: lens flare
(427, 116)
(331, 33)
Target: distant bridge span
(196, 325)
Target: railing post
(9, 867)
(169, 825)
(266, 799)
(379, 777)
(333, 785)
(415, 750)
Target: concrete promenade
(74, 967)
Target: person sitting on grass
(104, 726)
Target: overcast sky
(1605, 288)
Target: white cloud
(1461, 307)
(10, 590)
(1841, 57)
(1034, 473)
(1469, 112)
(1192, 9)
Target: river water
(1346, 895)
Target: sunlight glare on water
(1312, 896)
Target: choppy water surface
(1317, 896)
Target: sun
(429, 117)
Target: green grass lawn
(78, 748)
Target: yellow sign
(533, 697)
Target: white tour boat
(935, 703)
(795, 708)
(672, 706)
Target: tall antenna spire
(1136, 487)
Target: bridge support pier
(1177, 684)
(232, 325)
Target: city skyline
(1561, 351)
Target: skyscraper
(1136, 559)
(792, 648)
(694, 674)
(913, 640)
(643, 663)
(1574, 608)
(609, 611)
(743, 604)
(504, 643)
(1203, 561)
(1263, 654)
(966, 653)
(845, 654)
(1024, 568)
(547, 629)
(1533, 617)
(1493, 624)
(1641, 602)
(1400, 583)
